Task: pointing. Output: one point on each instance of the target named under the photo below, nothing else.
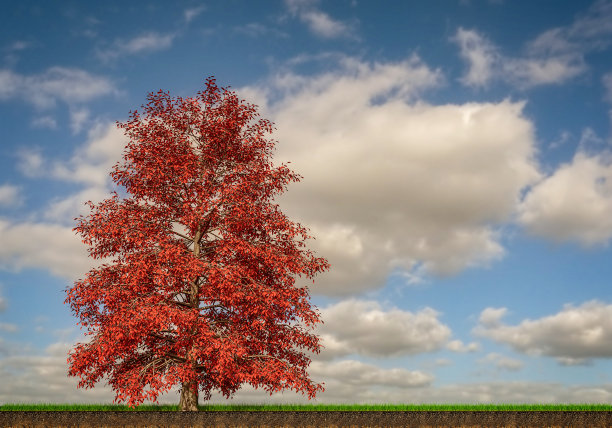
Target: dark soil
(338, 419)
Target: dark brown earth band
(421, 419)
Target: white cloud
(70, 85)
(574, 203)
(11, 57)
(542, 71)
(509, 364)
(501, 362)
(593, 29)
(91, 164)
(66, 258)
(589, 140)
(45, 122)
(479, 53)
(564, 137)
(254, 29)
(554, 56)
(361, 375)
(490, 317)
(361, 327)
(393, 182)
(551, 42)
(319, 23)
(79, 117)
(573, 336)
(146, 42)
(190, 14)
(19, 45)
(9, 195)
(607, 82)
(543, 64)
(458, 346)
(30, 161)
(8, 327)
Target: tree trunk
(189, 390)
(189, 397)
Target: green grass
(318, 407)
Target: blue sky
(457, 176)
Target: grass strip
(314, 407)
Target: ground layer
(307, 419)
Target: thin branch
(171, 339)
(266, 356)
(182, 236)
(183, 304)
(176, 357)
(165, 362)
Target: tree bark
(189, 391)
(189, 397)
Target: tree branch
(266, 356)
(165, 362)
(182, 236)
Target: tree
(209, 307)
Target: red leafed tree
(208, 306)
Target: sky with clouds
(457, 175)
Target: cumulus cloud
(501, 362)
(542, 71)
(593, 28)
(572, 204)
(355, 326)
(10, 196)
(30, 161)
(361, 375)
(66, 258)
(190, 14)
(13, 49)
(79, 117)
(91, 164)
(319, 23)
(573, 336)
(458, 346)
(391, 182)
(543, 64)
(490, 317)
(144, 43)
(563, 138)
(70, 85)
(554, 56)
(480, 54)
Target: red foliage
(212, 304)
